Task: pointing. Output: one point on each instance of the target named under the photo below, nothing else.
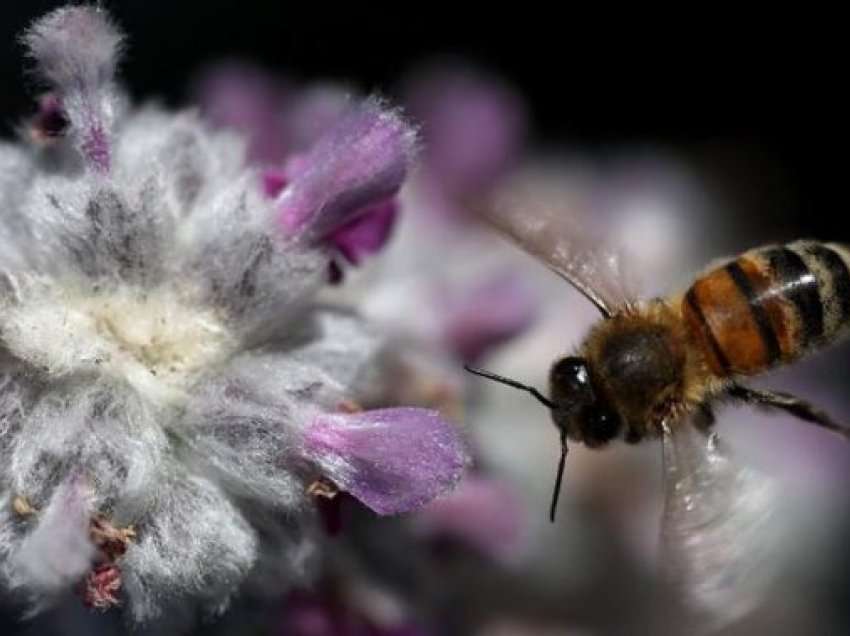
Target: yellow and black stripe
(770, 305)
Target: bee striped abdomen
(769, 306)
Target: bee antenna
(559, 478)
(517, 385)
(556, 492)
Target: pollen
(156, 339)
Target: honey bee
(654, 369)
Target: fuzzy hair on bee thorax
(639, 363)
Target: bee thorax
(638, 365)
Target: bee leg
(787, 402)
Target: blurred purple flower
(276, 117)
(483, 512)
(243, 98)
(474, 127)
(308, 614)
(480, 317)
(297, 135)
(313, 111)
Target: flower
(285, 129)
(475, 126)
(170, 391)
(242, 98)
(473, 300)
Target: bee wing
(547, 230)
(718, 532)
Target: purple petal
(361, 161)
(484, 513)
(367, 233)
(76, 49)
(487, 315)
(242, 97)
(274, 181)
(392, 460)
(474, 128)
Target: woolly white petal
(17, 387)
(343, 347)
(289, 553)
(191, 162)
(193, 544)
(97, 230)
(8, 536)
(93, 426)
(15, 176)
(74, 45)
(245, 445)
(246, 268)
(246, 422)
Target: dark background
(754, 101)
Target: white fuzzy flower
(169, 390)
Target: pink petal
(392, 460)
(367, 233)
(362, 160)
(274, 181)
(487, 315)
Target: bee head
(576, 407)
(579, 408)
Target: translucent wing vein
(548, 230)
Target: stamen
(22, 507)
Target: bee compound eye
(571, 378)
(600, 424)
